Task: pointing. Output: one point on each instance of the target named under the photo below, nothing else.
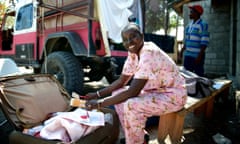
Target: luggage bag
(27, 100)
(5, 128)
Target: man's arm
(201, 54)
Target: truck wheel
(67, 69)
(111, 73)
(111, 77)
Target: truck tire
(67, 69)
(111, 77)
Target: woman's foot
(122, 141)
(146, 139)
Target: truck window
(25, 17)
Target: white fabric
(137, 12)
(8, 67)
(115, 15)
(70, 126)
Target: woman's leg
(133, 113)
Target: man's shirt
(196, 35)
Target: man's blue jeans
(189, 64)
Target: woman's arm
(120, 82)
(135, 88)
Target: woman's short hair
(132, 26)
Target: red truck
(75, 40)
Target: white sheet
(115, 15)
(8, 67)
(70, 126)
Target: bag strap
(4, 110)
(5, 100)
(25, 125)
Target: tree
(159, 16)
(3, 8)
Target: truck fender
(74, 40)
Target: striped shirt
(196, 35)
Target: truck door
(25, 33)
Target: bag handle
(3, 107)
(30, 79)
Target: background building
(223, 53)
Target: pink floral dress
(163, 93)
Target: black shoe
(146, 139)
(122, 141)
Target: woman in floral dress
(156, 86)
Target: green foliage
(173, 20)
(155, 17)
(2, 10)
(154, 20)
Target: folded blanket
(71, 126)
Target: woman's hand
(93, 104)
(90, 96)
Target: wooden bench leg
(225, 94)
(237, 97)
(210, 103)
(166, 123)
(199, 110)
(209, 108)
(171, 124)
(177, 131)
(206, 108)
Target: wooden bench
(172, 124)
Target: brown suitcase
(27, 100)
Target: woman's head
(132, 38)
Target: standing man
(196, 39)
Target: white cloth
(8, 67)
(115, 16)
(71, 126)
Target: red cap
(197, 8)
